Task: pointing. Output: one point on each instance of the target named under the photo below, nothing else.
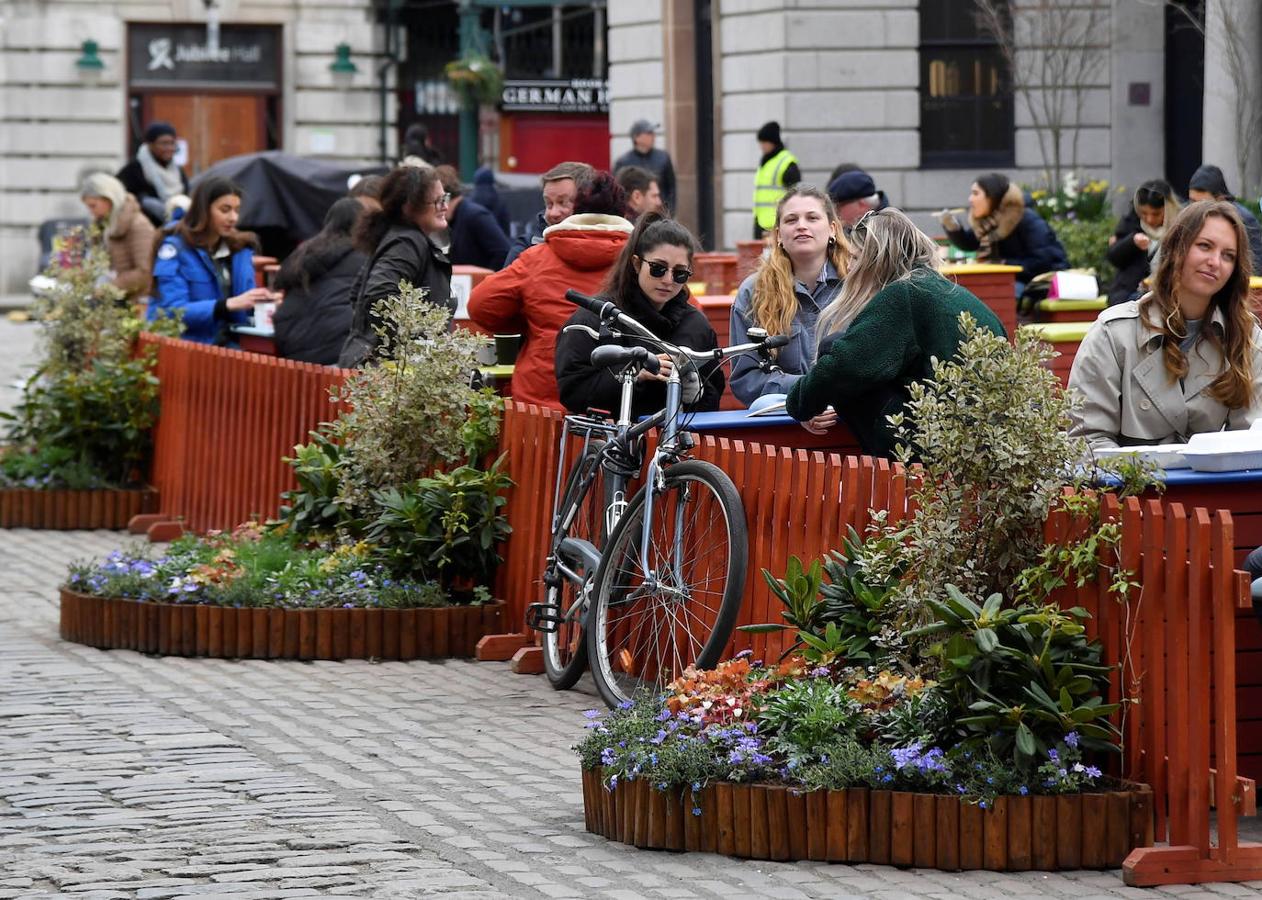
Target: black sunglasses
(658, 269)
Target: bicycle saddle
(609, 356)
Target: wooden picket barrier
(1173, 638)
(227, 420)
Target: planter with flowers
(387, 549)
(934, 707)
(77, 449)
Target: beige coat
(1128, 398)
(131, 247)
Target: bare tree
(1055, 51)
(1236, 46)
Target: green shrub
(1086, 243)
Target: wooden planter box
(758, 821)
(231, 633)
(104, 508)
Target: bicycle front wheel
(582, 515)
(654, 617)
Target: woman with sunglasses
(1137, 239)
(800, 277)
(894, 316)
(1187, 357)
(648, 284)
(396, 240)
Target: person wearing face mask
(1002, 229)
(528, 297)
(153, 177)
(648, 283)
(561, 186)
(1183, 359)
(205, 267)
(799, 278)
(895, 315)
(1137, 239)
(395, 238)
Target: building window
(966, 111)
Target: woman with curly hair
(800, 277)
(1183, 359)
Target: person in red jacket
(528, 297)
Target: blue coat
(184, 278)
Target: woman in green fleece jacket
(893, 317)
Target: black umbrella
(285, 196)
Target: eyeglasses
(859, 229)
(658, 269)
(442, 201)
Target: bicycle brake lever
(590, 332)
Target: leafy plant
(1026, 674)
(316, 506)
(806, 716)
(446, 526)
(1086, 243)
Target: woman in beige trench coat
(1183, 359)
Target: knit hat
(642, 126)
(157, 130)
(770, 133)
(851, 186)
(1210, 179)
(994, 186)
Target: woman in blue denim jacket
(205, 267)
(801, 276)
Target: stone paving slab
(124, 775)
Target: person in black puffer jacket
(396, 240)
(647, 283)
(1136, 241)
(313, 322)
(1003, 229)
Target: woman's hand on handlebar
(821, 423)
(663, 374)
(249, 298)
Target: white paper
(461, 287)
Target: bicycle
(641, 588)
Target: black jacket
(313, 322)
(583, 386)
(476, 238)
(656, 162)
(1132, 264)
(404, 254)
(1032, 245)
(528, 238)
(133, 178)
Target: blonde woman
(894, 316)
(786, 295)
(119, 223)
(1185, 358)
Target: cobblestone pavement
(123, 775)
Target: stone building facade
(847, 81)
(61, 119)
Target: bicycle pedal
(543, 617)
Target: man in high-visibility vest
(777, 171)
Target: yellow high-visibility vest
(769, 188)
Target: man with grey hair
(561, 185)
(643, 155)
(854, 194)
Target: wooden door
(216, 126)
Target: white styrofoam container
(1225, 451)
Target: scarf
(986, 228)
(166, 179)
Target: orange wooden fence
(226, 421)
(1174, 639)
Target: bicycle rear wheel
(650, 622)
(565, 649)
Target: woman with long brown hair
(894, 316)
(205, 266)
(800, 277)
(1185, 358)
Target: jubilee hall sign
(579, 95)
(173, 55)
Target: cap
(642, 126)
(157, 130)
(851, 186)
